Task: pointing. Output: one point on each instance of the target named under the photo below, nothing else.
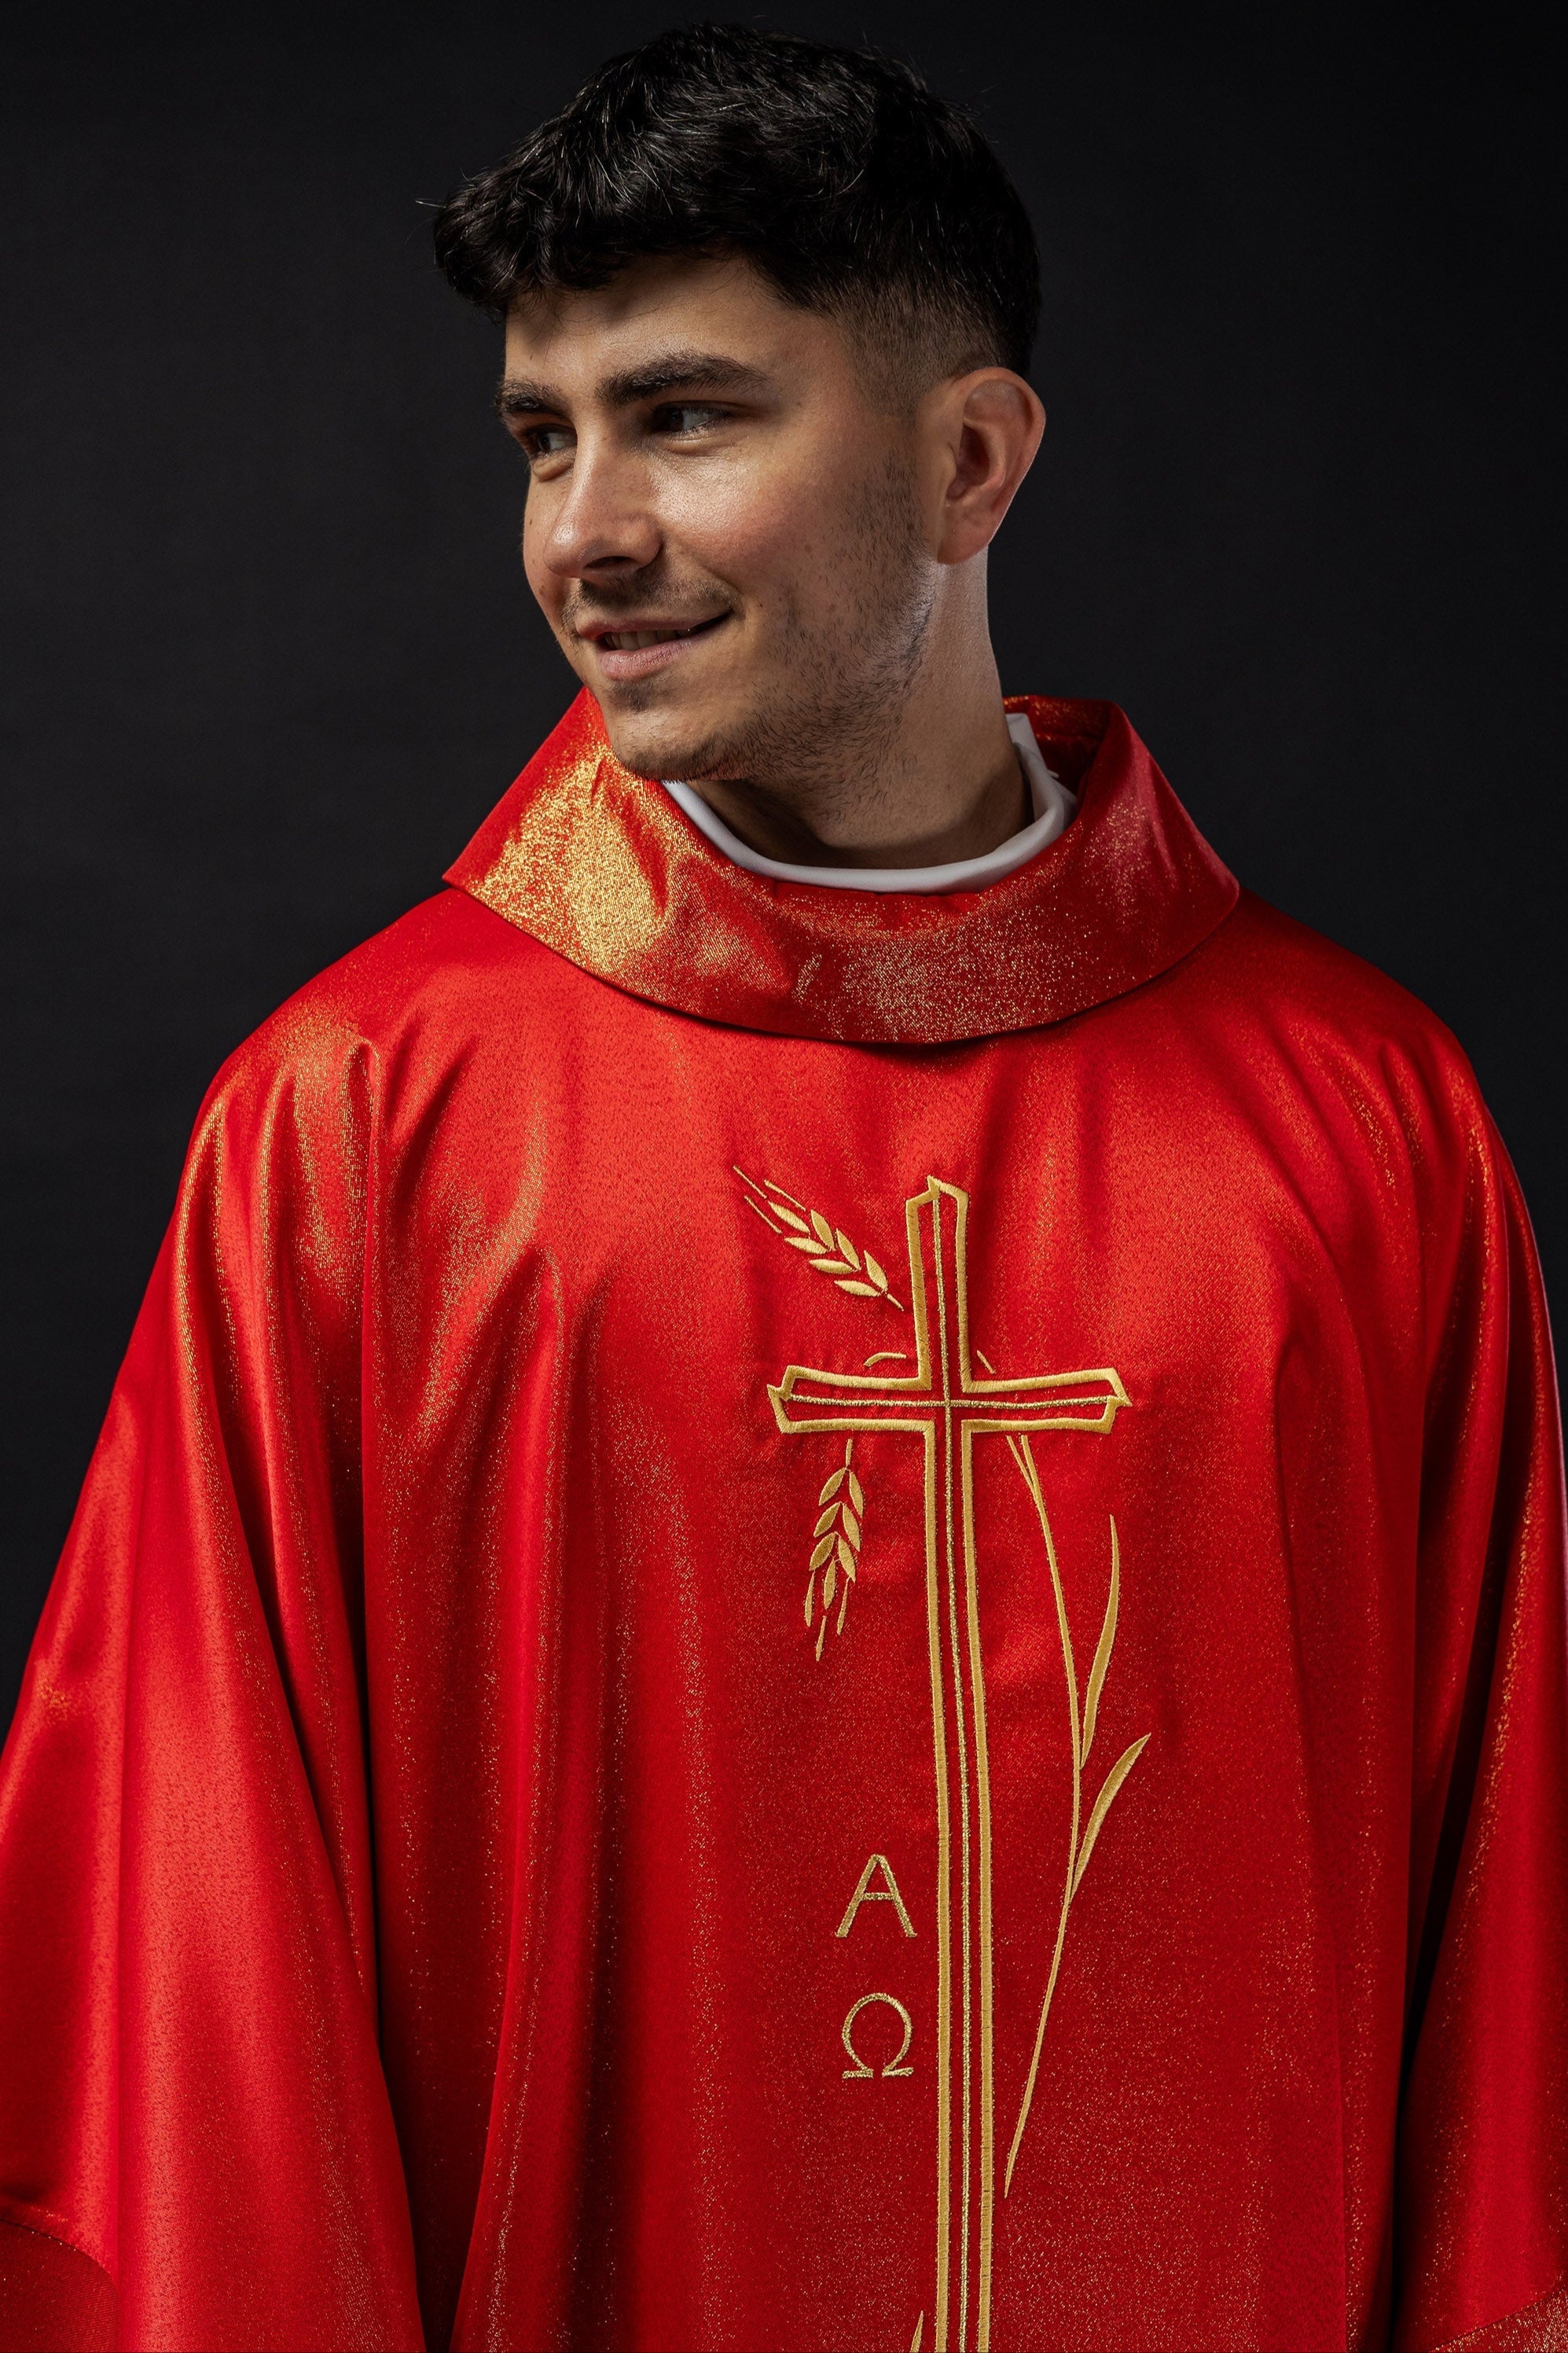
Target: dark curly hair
(835, 172)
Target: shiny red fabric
(804, 1677)
(585, 857)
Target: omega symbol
(895, 2065)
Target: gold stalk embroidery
(825, 1247)
(836, 1546)
(1082, 1731)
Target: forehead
(668, 304)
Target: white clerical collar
(1055, 809)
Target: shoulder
(370, 1042)
(1359, 1093)
(1303, 987)
(282, 1157)
(1320, 1024)
(431, 978)
(448, 957)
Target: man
(825, 1605)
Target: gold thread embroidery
(867, 1893)
(947, 1405)
(987, 2054)
(982, 1796)
(895, 2065)
(919, 2332)
(939, 1270)
(836, 1542)
(1082, 1732)
(825, 1247)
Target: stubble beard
(818, 735)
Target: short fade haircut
(849, 186)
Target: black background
(270, 654)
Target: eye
(681, 419)
(538, 442)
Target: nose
(604, 525)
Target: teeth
(623, 641)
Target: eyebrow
(676, 371)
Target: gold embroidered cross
(947, 1406)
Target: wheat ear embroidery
(825, 1247)
(835, 1543)
(1080, 1848)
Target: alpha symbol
(867, 1893)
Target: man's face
(723, 525)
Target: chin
(651, 742)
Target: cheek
(546, 583)
(769, 532)
(726, 520)
(546, 566)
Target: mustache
(691, 597)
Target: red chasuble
(810, 1620)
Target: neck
(926, 775)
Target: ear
(980, 431)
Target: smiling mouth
(627, 641)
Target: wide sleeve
(196, 2144)
(1481, 2228)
